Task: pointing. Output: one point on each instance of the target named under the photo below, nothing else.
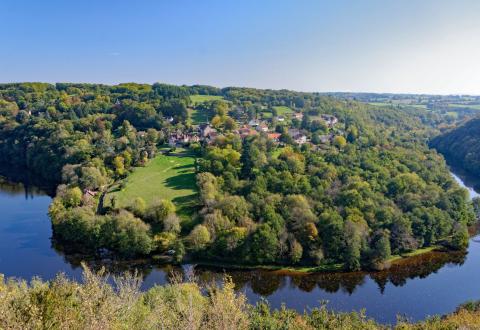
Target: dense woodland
(461, 145)
(375, 190)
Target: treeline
(96, 304)
(461, 146)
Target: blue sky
(422, 46)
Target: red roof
(274, 136)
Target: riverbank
(308, 270)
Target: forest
(324, 183)
(460, 145)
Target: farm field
(465, 106)
(395, 104)
(197, 99)
(169, 177)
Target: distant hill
(461, 146)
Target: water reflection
(16, 188)
(265, 283)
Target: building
(297, 135)
(246, 131)
(206, 130)
(300, 139)
(280, 119)
(298, 115)
(274, 136)
(253, 123)
(329, 120)
(262, 127)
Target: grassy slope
(164, 177)
(197, 117)
(283, 110)
(196, 99)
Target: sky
(402, 46)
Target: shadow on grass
(181, 181)
(190, 166)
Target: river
(434, 283)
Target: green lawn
(196, 117)
(196, 99)
(283, 110)
(453, 114)
(266, 114)
(164, 177)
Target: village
(206, 133)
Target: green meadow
(283, 110)
(169, 177)
(197, 99)
(197, 117)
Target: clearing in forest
(170, 177)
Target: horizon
(220, 87)
(428, 47)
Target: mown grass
(197, 99)
(169, 177)
(197, 117)
(283, 110)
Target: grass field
(197, 117)
(266, 114)
(283, 110)
(164, 177)
(393, 104)
(465, 106)
(453, 114)
(196, 99)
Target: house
(300, 139)
(274, 136)
(253, 123)
(329, 120)
(211, 136)
(298, 115)
(262, 127)
(246, 131)
(280, 119)
(206, 130)
(194, 138)
(297, 135)
(293, 132)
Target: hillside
(461, 146)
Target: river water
(434, 283)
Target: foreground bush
(96, 304)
